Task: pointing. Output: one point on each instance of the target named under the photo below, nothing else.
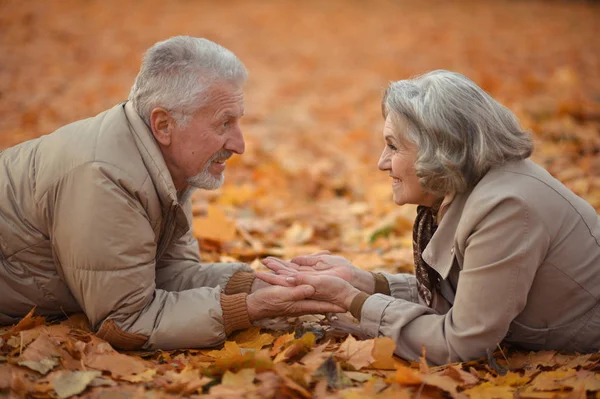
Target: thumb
(297, 293)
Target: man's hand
(321, 263)
(326, 288)
(286, 301)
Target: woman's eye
(392, 147)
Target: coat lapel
(439, 253)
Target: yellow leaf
(230, 350)
(306, 342)
(253, 339)
(383, 353)
(407, 376)
(490, 391)
(215, 226)
(280, 343)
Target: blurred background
(309, 179)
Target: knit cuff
(382, 286)
(235, 312)
(357, 304)
(240, 282)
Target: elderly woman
(503, 251)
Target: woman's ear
(161, 124)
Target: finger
(309, 306)
(307, 260)
(274, 279)
(278, 264)
(295, 293)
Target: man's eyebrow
(228, 114)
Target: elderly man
(96, 217)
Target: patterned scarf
(427, 278)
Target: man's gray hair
(177, 75)
(459, 130)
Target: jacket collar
(439, 253)
(156, 166)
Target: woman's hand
(326, 288)
(322, 263)
(286, 301)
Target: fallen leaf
(253, 339)
(67, 383)
(243, 377)
(383, 353)
(358, 354)
(490, 391)
(315, 358)
(466, 379)
(43, 366)
(296, 347)
(28, 322)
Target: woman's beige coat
(90, 221)
(520, 259)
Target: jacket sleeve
(105, 247)
(180, 268)
(403, 286)
(500, 260)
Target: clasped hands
(316, 283)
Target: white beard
(205, 180)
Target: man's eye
(226, 124)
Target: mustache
(221, 154)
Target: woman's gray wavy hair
(177, 73)
(459, 130)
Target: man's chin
(207, 181)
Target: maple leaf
(358, 354)
(253, 339)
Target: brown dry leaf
(67, 383)
(466, 379)
(521, 360)
(215, 226)
(253, 339)
(358, 354)
(313, 359)
(244, 377)
(43, 366)
(119, 365)
(285, 372)
(26, 323)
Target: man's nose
(236, 142)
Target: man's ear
(161, 124)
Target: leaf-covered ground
(308, 179)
